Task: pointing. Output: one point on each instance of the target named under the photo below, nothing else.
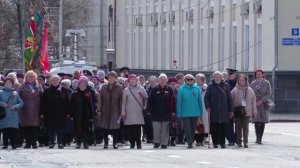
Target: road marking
(204, 163)
(149, 151)
(283, 133)
(174, 156)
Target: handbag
(269, 104)
(144, 111)
(2, 109)
(239, 112)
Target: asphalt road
(281, 148)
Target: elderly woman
(161, 105)
(202, 137)
(262, 90)
(218, 104)
(54, 108)
(111, 95)
(13, 76)
(11, 101)
(30, 120)
(81, 109)
(243, 98)
(133, 105)
(189, 107)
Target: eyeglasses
(190, 79)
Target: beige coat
(238, 94)
(131, 108)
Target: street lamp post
(75, 33)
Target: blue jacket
(11, 119)
(189, 101)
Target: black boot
(257, 132)
(261, 133)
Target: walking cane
(208, 112)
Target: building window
(222, 55)
(141, 56)
(181, 56)
(148, 46)
(133, 48)
(211, 49)
(127, 49)
(191, 49)
(233, 57)
(155, 44)
(246, 48)
(258, 46)
(173, 58)
(164, 49)
(201, 48)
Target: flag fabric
(30, 43)
(44, 63)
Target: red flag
(44, 52)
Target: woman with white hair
(219, 105)
(54, 108)
(161, 105)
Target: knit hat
(95, 77)
(66, 82)
(55, 76)
(132, 76)
(163, 76)
(101, 73)
(83, 79)
(9, 79)
(113, 74)
(172, 79)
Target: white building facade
(195, 35)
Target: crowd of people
(86, 107)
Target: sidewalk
(285, 117)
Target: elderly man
(161, 105)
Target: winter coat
(262, 91)
(205, 114)
(161, 103)
(54, 107)
(11, 120)
(30, 113)
(110, 106)
(239, 94)
(131, 108)
(80, 107)
(189, 102)
(218, 99)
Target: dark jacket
(110, 106)
(161, 103)
(80, 107)
(218, 99)
(54, 107)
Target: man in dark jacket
(230, 133)
(161, 105)
(54, 108)
(218, 103)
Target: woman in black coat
(54, 108)
(219, 105)
(81, 109)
